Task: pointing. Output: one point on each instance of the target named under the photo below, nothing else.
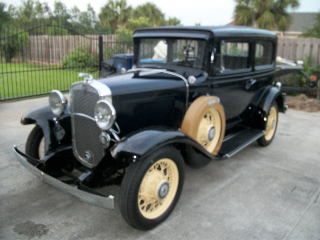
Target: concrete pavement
(260, 193)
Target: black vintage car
(194, 94)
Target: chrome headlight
(104, 114)
(57, 102)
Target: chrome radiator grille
(85, 132)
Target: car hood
(142, 82)
(142, 100)
(131, 83)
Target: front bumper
(101, 201)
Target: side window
(234, 56)
(263, 54)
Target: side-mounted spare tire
(205, 123)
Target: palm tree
(152, 12)
(114, 13)
(266, 14)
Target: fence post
(100, 52)
(318, 91)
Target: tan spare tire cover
(205, 123)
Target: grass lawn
(27, 79)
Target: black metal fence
(33, 63)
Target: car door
(232, 76)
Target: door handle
(252, 81)
(249, 83)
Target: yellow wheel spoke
(208, 122)
(144, 195)
(150, 201)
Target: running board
(233, 144)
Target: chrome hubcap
(211, 133)
(163, 190)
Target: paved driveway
(260, 193)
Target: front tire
(271, 126)
(35, 145)
(151, 188)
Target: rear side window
(234, 56)
(263, 53)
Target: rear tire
(151, 188)
(271, 126)
(35, 143)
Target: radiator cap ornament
(88, 77)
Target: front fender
(146, 142)
(56, 130)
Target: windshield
(164, 52)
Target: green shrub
(309, 68)
(81, 59)
(293, 80)
(297, 80)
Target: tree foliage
(11, 40)
(314, 31)
(4, 16)
(34, 13)
(151, 12)
(11, 43)
(173, 21)
(267, 14)
(29, 13)
(84, 22)
(116, 14)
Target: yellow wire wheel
(158, 188)
(271, 126)
(151, 188)
(271, 123)
(205, 123)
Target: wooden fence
(52, 49)
(298, 48)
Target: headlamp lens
(57, 102)
(104, 114)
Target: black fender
(261, 104)
(142, 144)
(272, 94)
(56, 130)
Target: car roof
(222, 31)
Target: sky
(190, 12)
